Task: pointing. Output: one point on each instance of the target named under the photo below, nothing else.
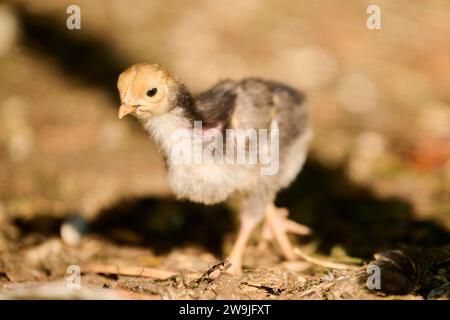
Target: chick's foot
(275, 228)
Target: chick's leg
(251, 213)
(235, 256)
(276, 227)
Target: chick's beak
(126, 109)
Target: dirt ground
(377, 178)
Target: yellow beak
(125, 109)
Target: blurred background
(379, 171)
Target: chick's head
(144, 91)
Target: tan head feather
(144, 89)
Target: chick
(167, 109)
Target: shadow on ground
(343, 213)
(81, 56)
(165, 224)
(339, 212)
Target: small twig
(323, 263)
(318, 288)
(218, 269)
(134, 271)
(135, 279)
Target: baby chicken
(168, 111)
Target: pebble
(73, 230)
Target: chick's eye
(152, 92)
